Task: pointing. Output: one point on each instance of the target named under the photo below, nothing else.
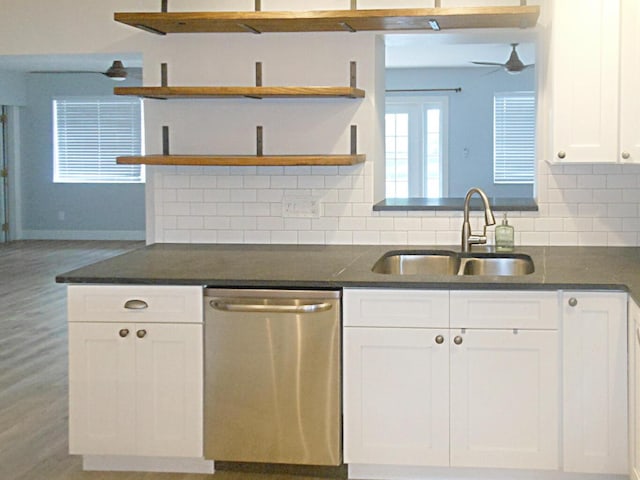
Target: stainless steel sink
(496, 264)
(446, 262)
(418, 262)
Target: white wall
(583, 205)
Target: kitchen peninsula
(568, 319)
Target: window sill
(454, 204)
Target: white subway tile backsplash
(230, 236)
(621, 181)
(284, 237)
(188, 223)
(421, 237)
(203, 181)
(366, 238)
(217, 223)
(231, 209)
(254, 236)
(190, 195)
(622, 210)
(204, 236)
(578, 205)
(339, 237)
(217, 195)
(311, 237)
(176, 208)
(592, 238)
(621, 239)
(563, 238)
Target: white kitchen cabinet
(396, 380)
(419, 393)
(629, 81)
(504, 399)
(595, 70)
(135, 387)
(594, 350)
(397, 396)
(634, 389)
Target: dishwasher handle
(239, 306)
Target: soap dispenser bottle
(504, 236)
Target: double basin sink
(447, 262)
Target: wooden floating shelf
(244, 160)
(240, 92)
(331, 20)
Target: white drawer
(395, 308)
(534, 310)
(134, 303)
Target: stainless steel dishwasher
(272, 376)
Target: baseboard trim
(82, 235)
(117, 463)
(391, 472)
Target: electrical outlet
(300, 206)
(61, 215)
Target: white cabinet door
(169, 390)
(595, 382)
(135, 396)
(101, 389)
(396, 396)
(634, 389)
(629, 81)
(585, 77)
(504, 399)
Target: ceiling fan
(513, 65)
(116, 71)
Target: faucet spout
(468, 238)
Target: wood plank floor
(33, 365)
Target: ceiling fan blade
(63, 71)
(494, 64)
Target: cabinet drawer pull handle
(124, 332)
(439, 339)
(136, 305)
(626, 155)
(573, 302)
(457, 340)
(638, 334)
(141, 333)
(562, 154)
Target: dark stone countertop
(334, 266)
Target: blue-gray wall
(69, 211)
(470, 120)
(12, 88)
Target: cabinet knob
(626, 155)
(124, 332)
(439, 339)
(141, 333)
(573, 302)
(562, 154)
(457, 340)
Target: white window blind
(514, 137)
(89, 133)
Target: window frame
(129, 174)
(417, 106)
(498, 164)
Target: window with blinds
(514, 137)
(89, 133)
